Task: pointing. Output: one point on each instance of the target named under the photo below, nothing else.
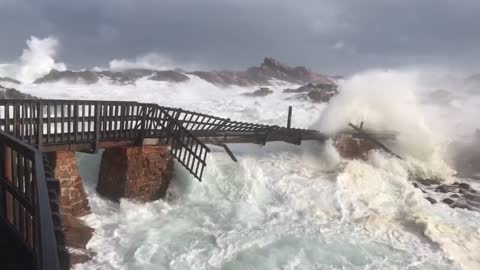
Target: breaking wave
(288, 207)
(36, 60)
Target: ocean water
(293, 207)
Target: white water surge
(289, 207)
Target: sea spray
(278, 209)
(36, 60)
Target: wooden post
(40, 125)
(97, 126)
(289, 120)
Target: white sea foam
(288, 207)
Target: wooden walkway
(83, 125)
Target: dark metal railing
(24, 200)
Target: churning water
(292, 207)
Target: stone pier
(73, 199)
(141, 173)
(352, 148)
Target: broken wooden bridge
(84, 125)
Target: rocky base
(139, 173)
(315, 92)
(264, 91)
(77, 235)
(456, 195)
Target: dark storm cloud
(331, 36)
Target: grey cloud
(238, 33)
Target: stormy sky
(331, 36)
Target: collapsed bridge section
(83, 125)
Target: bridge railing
(185, 146)
(57, 122)
(88, 125)
(24, 201)
(51, 123)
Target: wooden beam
(373, 140)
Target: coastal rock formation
(9, 80)
(270, 69)
(264, 91)
(73, 199)
(124, 77)
(352, 148)
(456, 195)
(316, 92)
(77, 235)
(11, 93)
(139, 173)
(262, 75)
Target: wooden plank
(39, 125)
(97, 126)
(289, 118)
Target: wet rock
(431, 200)
(139, 173)
(454, 196)
(441, 189)
(464, 186)
(77, 235)
(461, 206)
(428, 182)
(322, 95)
(448, 201)
(415, 185)
(472, 197)
(316, 92)
(264, 91)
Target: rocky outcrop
(73, 199)
(269, 70)
(77, 235)
(264, 91)
(10, 93)
(9, 80)
(169, 76)
(84, 77)
(352, 148)
(262, 75)
(138, 173)
(315, 92)
(456, 195)
(122, 78)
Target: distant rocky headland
(270, 69)
(314, 86)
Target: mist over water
(295, 207)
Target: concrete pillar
(142, 173)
